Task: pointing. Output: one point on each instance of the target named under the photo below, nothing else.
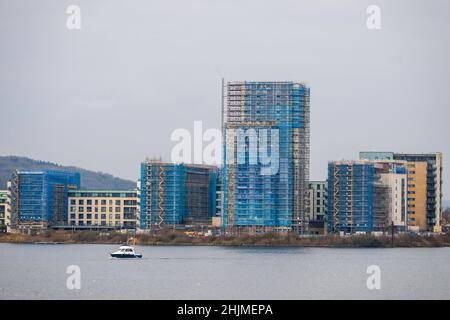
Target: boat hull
(125, 256)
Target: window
(117, 209)
(80, 209)
(73, 202)
(89, 202)
(103, 209)
(117, 216)
(103, 202)
(117, 202)
(89, 209)
(81, 202)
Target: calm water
(39, 272)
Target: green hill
(89, 179)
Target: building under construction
(358, 200)
(424, 188)
(39, 198)
(266, 155)
(175, 194)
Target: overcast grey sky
(108, 95)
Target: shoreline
(266, 240)
(233, 245)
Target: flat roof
(102, 190)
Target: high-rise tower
(266, 155)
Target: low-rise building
(112, 208)
(174, 195)
(4, 210)
(39, 197)
(358, 200)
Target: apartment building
(424, 187)
(107, 208)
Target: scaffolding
(175, 194)
(161, 191)
(251, 199)
(334, 189)
(357, 199)
(39, 198)
(15, 199)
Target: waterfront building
(105, 208)
(358, 201)
(424, 188)
(317, 200)
(175, 194)
(317, 207)
(39, 198)
(266, 156)
(393, 174)
(4, 210)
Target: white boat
(125, 251)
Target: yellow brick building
(113, 208)
(417, 195)
(424, 187)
